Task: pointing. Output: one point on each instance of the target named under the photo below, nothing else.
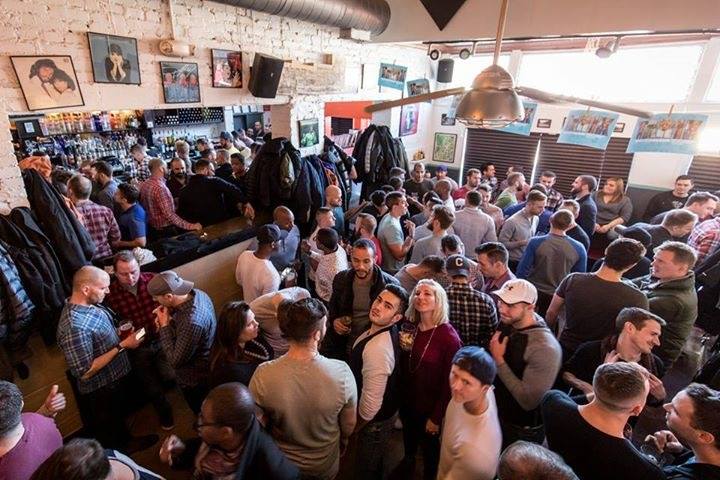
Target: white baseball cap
(515, 291)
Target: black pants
(414, 437)
(194, 396)
(106, 408)
(154, 373)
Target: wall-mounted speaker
(265, 75)
(445, 70)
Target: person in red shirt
(472, 181)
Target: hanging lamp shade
(492, 102)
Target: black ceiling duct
(367, 15)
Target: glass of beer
(126, 328)
(407, 336)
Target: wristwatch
(120, 348)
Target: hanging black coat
(343, 163)
(67, 235)
(376, 153)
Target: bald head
(79, 187)
(284, 218)
(90, 285)
(333, 196)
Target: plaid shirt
(554, 199)
(83, 334)
(101, 225)
(187, 339)
(141, 170)
(137, 307)
(472, 313)
(705, 238)
(158, 203)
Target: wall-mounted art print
(418, 87)
(446, 120)
(392, 76)
(48, 81)
(544, 122)
(227, 68)
(409, 119)
(309, 132)
(444, 147)
(522, 127)
(619, 127)
(181, 83)
(114, 59)
(589, 128)
(674, 133)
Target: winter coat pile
(376, 152)
(340, 163)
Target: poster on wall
(48, 81)
(309, 132)
(114, 59)
(450, 115)
(180, 82)
(418, 87)
(227, 68)
(409, 120)
(674, 133)
(392, 76)
(522, 127)
(444, 147)
(447, 121)
(589, 128)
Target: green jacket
(676, 302)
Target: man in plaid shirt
(158, 203)
(554, 198)
(97, 360)
(98, 220)
(130, 299)
(472, 313)
(186, 324)
(705, 238)
(138, 167)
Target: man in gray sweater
(517, 230)
(528, 360)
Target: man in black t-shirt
(590, 437)
(693, 418)
(665, 201)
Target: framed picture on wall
(446, 120)
(180, 82)
(409, 115)
(444, 147)
(48, 81)
(227, 68)
(418, 87)
(114, 59)
(619, 127)
(309, 132)
(392, 76)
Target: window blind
(501, 148)
(705, 172)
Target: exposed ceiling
(477, 19)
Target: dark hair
(682, 252)
(123, 256)
(129, 192)
(562, 219)
(136, 148)
(231, 322)
(444, 216)
(536, 196)
(637, 316)
(678, 218)
(115, 48)
(484, 167)
(590, 181)
(538, 187)
(43, 62)
(366, 244)
(59, 178)
(302, 319)
(477, 362)
(328, 238)
(393, 198)
(378, 198)
(435, 263)
(322, 211)
(428, 195)
(142, 141)
(103, 167)
(201, 141)
(450, 243)
(238, 157)
(473, 198)
(706, 410)
(397, 172)
(529, 461)
(623, 253)
(700, 197)
(400, 293)
(484, 187)
(202, 163)
(205, 154)
(617, 383)
(548, 174)
(396, 183)
(387, 188)
(416, 165)
(232, 405)
(684, 177)
(495, 251)
(11, 403)
(64, 77)
(79, 459)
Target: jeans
(154, 372)
(414, 437)
(372, 443)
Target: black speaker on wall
(445, 70)
(265, 75)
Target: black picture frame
(174, 91)
(619, 127)
(100, 45)
(442, 142)
(218, 56)
(43, 94)
(544, 122)
(446, 120)
(306, 127)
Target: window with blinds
(705, 172)
(616, 163)
(568, 161)
(501, 148)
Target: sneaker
(136, 444)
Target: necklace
(263, 355)
(412, 371)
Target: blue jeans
(372, 443)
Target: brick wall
(58, 27)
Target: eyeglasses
(197, 425)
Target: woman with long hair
(613, 208)
(238, 349)
(425, 370)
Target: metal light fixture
(608, 49)
(464, 53)
(434, 54)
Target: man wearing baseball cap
(528, 360)
(186, 324)
(472, 313)
(254, 272)
(441, 174)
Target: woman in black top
(237, 350)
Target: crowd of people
(508, 331)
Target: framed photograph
(409, 120)
(309, 132)
(392, 76)
(418, 87)
(444, 147)
(48, 81)
(227, 68)
(180, 81)
(446, 120)
(619, 127)
(544, 122)
(588, 128)
(114, 59)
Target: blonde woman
(613, 208)
(426, 367)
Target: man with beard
(417, 186)
(582, 187)
(334, 201)
(375, 362)
(472, 180)
(178, 177)
(287, 247)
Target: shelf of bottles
(188, 116)
(89, 122)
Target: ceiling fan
(493, 101)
